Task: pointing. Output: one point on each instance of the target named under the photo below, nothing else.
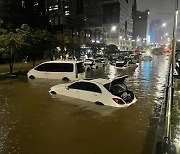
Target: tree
(10, 47)
(69, 45)
(37, 41)
(74, 46)
(62, 42)
(95, 47)
(111, 49)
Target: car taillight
(118, 101)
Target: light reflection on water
(34, 122)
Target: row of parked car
(100, 91)
(95, 63)
(75, 70)
(65, 69)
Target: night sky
(159, 10)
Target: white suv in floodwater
(63, 70)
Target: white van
(64, 70)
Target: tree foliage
(37, 41)
(69, 45)
(25, 42)
(111, 49)
(35, 44)
(10, 47)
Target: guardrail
(166, 146)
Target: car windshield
(120, 64)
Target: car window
(92, 87)
(87, 86)
(42, 67)
(76, 85)
(107, 86)
(120, 64)
(55, 67)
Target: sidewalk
(20, 66)
(176, 116)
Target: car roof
(99, 81)
(63, 61)
(89, 59)
(119, 79)
(120, 61)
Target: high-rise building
(65, 16)
(11, 12)
(14, 13)
(156, 31)
(141, 35)
(98, 21)
(113, 19)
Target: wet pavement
(32, 121)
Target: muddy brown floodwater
(33, 122)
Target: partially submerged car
(147, 58)
(104, 61)
(100, 91)
(122, 65)
(90, 64)
(59, 69)
(132, 64)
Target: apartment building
(113, 18)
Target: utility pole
(174, 36)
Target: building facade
(113, 19)
(66, 17)
(141, 28)
(109, 21)
(156, 31)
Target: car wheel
(99, 103)
(65, 79)
(32, 77)
(53, 93)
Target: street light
(174, 36)
(164, 25)
(113, 28)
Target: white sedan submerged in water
(100, 91)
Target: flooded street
(33, 122)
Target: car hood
(118, 80)
(59, 86)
